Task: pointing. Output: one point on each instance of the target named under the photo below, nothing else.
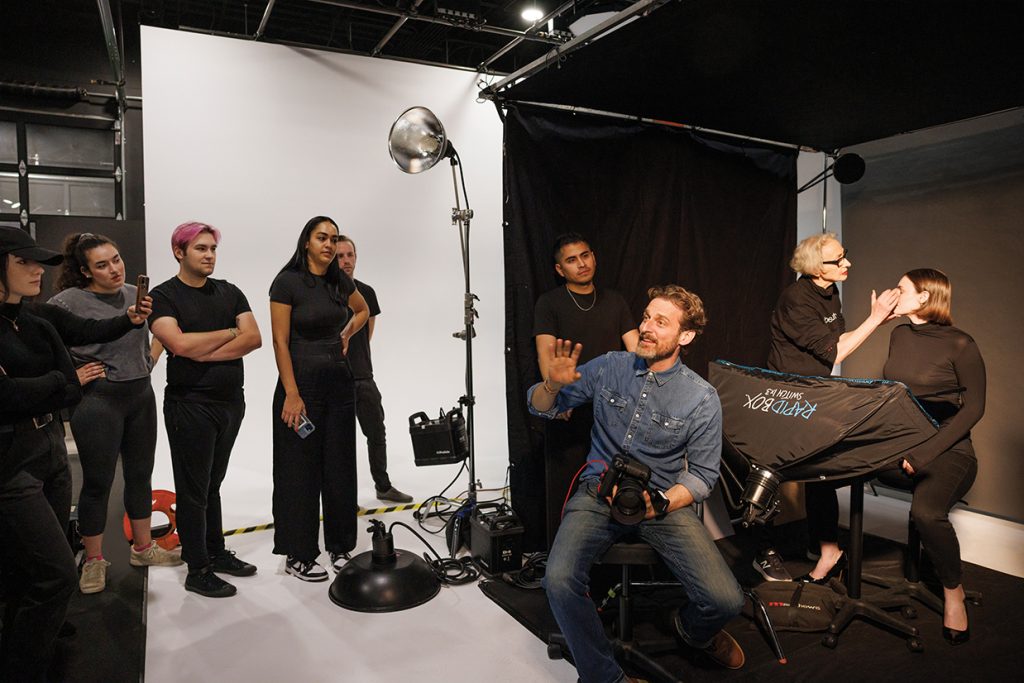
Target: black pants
(321, 466)
(370, 413)
(937, 487)
(113, 418)
(37, 568)
(201, 436)
(822, 506)
(566, 447)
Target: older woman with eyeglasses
(808, 337)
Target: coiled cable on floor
(448, 570)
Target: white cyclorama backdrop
(255, 139)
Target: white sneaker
(307, 571)
(154, 556)
(339, 560)
(94, 576)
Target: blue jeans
(586, 532)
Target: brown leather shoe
(726, 651)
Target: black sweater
(943, 368)
(37, 375)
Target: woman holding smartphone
(314, 403)
(117, 415)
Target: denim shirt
(671, 421)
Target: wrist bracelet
(548, 390)
(234, 332)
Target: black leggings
(937, 487)
(115, 417)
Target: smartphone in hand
(305, 427)
(142, 291)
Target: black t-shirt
(359, 344)
(316, 314)
(214, 306)
(805, 328)
(943, 368)
(600, 328)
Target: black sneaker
(768, 563)
(307, 571)
(225, 562)
(209, 584)
(393, 495)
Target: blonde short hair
(807, 255)
(694, 318)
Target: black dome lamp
(847, 168)
(384, 579)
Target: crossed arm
(205, 347)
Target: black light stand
(417, 141)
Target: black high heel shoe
(837, 570)
(954, 637)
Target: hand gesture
(562, 359)
(293, 407)
(91, 371)
(884, 304)
(344, 345)
(144, 309)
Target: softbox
(816, 428)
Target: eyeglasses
(842, 257)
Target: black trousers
(323, 465)
(115, 418)
(37, 568)
(937, 487)
(566, 447)
(370, 412)
(201, 436)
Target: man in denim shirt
(651, 407)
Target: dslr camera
(632, 478)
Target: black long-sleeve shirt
(74, 330)
(805, 329)
(942, 367)
(37, 376)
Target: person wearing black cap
(37, 380)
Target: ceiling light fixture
(532, 14)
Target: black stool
(872, 609)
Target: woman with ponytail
(117, 415)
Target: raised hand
(883, 305)
(562, 361)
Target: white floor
(280, 629)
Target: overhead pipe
(265, 20)
(52, 92)
(671, 124)
(583, 39)
(394, 29)
(452, 23)
(516, 41)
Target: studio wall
(952, 198)
(255, 139)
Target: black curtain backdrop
(659, 205)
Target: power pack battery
(441, 441)
(496, 540)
